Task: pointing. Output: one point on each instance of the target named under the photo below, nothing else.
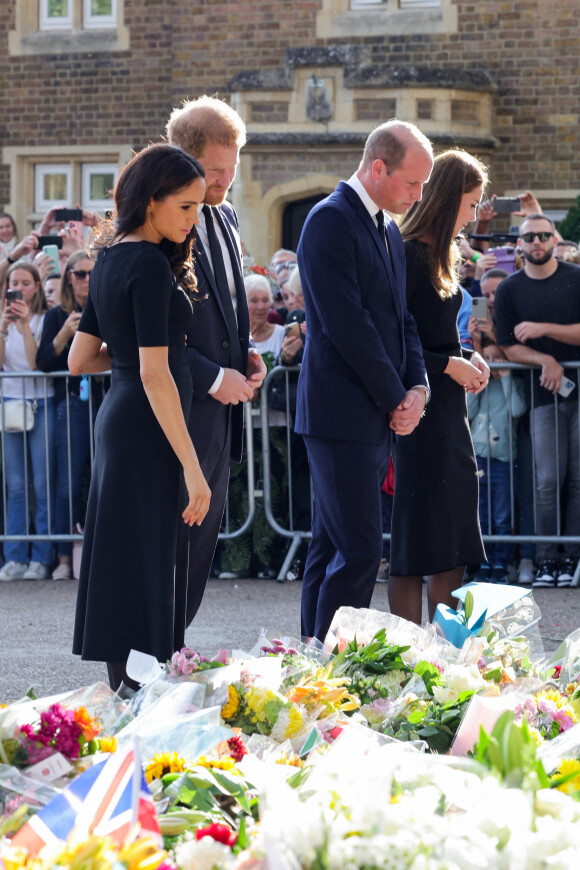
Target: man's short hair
(390, 142)
(202, 121)
(494, 273)
(537, 216)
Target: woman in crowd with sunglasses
(75, 414)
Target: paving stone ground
(36, 621)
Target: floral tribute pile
(386, 747)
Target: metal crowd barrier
(283, 519)
(41, 390)
(295, 536)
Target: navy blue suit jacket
(211, 345)
(362, 349)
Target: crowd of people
(471, 453)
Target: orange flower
(90, 727)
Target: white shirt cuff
(217, 383)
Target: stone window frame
(338, 18)
(32, 35)
(22, 163)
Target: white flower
(458, 678)
(204, 854)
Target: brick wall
(529, 48)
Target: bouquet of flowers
(186, 662)
(72, 732)
(374, 670)
(261, 710)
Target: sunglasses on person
(289, 264)
(80, 273)
(545, 236)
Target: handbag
(17, 415)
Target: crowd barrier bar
(290, 532)
(296, 536)
(50, 461)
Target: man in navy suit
(225, 366)
(363, 374)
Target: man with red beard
(225, 366)
(537, 319)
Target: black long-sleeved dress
(435, 524)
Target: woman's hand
(69, 328)
(290, 347)
(199, 496)
(467, 374)
(478, 361)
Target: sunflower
(163, 763)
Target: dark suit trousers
(214, 458)
(345, 551)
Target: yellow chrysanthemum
(162, 763)
(567, 767)
(553, 695)
(217, 763)
(257, 700)
(295, 722)
(230, 708)
(107, 744)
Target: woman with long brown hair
(435, 528)
(133, 584)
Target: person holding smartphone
(75, 415)
(21, 328)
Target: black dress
(131, 593)
(435, 524)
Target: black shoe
(566, 572)
(267, 574)
(546, 576)
(499, 574)
(483, 573)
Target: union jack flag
(108, 799)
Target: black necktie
(221, 280)
(382, 230)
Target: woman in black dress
(132, 594)
(435, 527)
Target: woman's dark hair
(432, 220)
(154, 173)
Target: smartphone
(52, 251)
(68, 214)
(566, 386)
(12, 296)
(479, 307)
(43, 241)
(505, 204)
(292, 329)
